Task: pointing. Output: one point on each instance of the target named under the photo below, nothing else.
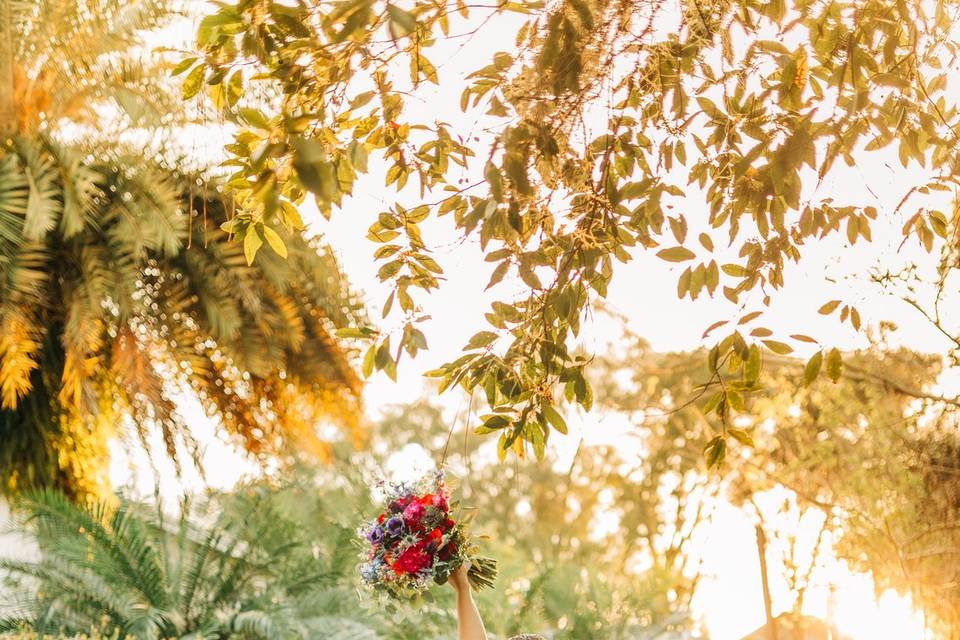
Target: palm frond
(118, 553)
(114, 267)
(144, 216)
(21, 331)
(75, 35)
(81, 190)
(43, 200)
(14, 195)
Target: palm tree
(118, 289)
(211, 573)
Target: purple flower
(375, 535)
(394, 526)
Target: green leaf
(554, 418)
(234, 89)
(734, 270)
(361, 99)
(254, 118)
(715, 452)
(492, 423)
(481, 340)
(742, 437)
(713, 402)
(498, 274)
(251, 244)
(402, 22)
(529, 277)
(356, 332)
(751, 369)
(368, 360)
(275, 241)
(183, 65)
(778, 347)
(812, 370)
(834, 364)
(502, 447)
(193, 82)
(676, 254)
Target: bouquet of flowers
(414, 542)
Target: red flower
(449, 524)
(448, 551)
(436, 535)
(381, 518)
(413, 560)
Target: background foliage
(276, 559)
(706, 133)
(871, 455)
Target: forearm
(469, 623)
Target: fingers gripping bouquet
(415, 542)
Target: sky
(729, 600)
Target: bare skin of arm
(469, 623)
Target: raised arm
(469, 623)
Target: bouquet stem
(482, 572)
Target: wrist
(460, 584)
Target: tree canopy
(702, 131)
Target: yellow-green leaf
(676, 254)
(778, 347)
(812, 370)
(834, 364)
(555, 419)
(275, 242)
(251, 244)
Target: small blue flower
(368, 573)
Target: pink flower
(440, 502)
(413, 514)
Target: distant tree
(702, 131)
(875, 453)
(118, 289)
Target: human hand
(458, 579)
